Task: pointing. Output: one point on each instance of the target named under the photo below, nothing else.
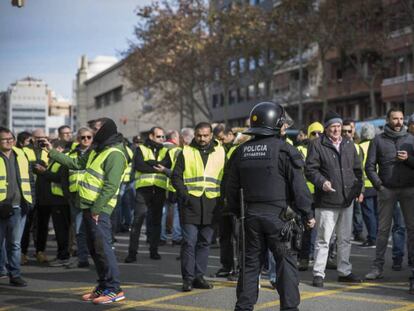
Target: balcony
(400, 39)
(349, 87)
(393, 89)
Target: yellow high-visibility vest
(151, 179)
(201, 180)
(23, 164)
(364, 146)
(75, 176)
(93, 180)
(127, 177)
(56, 188)
(31, 155)
(304, 151)
(231, 151)
(173, 153)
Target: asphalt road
(156, 285)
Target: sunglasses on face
(7, 140)
(86, 137)
(315, 133)
(347, 131)
(160, 136)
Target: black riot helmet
(266, 119)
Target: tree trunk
(226, 103)
(372, 101)
(324, 86)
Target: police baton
(242, 241)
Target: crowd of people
(186, 182)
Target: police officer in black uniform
(270, 173)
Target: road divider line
(311, 295)
(147, 303)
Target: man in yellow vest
(150, 161)
(98, 191)
(348, 131)
(370, 203)
(36, 156)
(84, 139)
(197, 179)
(315, 129)
(15, 201)
(55, 202)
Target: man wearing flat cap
(334, 168)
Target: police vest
(201, 180)
(151, 179)
(31, 155)
(56, 188)
(127, 177)
(304, 151)
(23, 164)
(364, 146)
(259, 170)
(93, 180)
(173, 153)
(75, 176)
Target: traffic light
(18, 3)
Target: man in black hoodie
(197, 178)
(150, 162)
(392, 152)
(105, 167)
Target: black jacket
(343, 170)
(391, 173)
(194, 210)
(287, 165)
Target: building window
(108, 98)
(233, 67)
(240, 96)
(215, 100)
(252, 63)
(250, 92)
(232, 97)
(242, 64)
(261, 89)
(221, 100)
(117, 94)
(98, 102)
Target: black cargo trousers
(262, 232)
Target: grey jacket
(343, 169)
(391, 173)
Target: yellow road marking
(310, 295)
(149, 302)
(373, 300)
(155, 302)
(181, 307)
(406, 308)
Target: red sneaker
(108, 296)
(92, 295)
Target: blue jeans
(370, 216)
(398, 233)
(99, 238)
(3, 269)
(194, 250)
(11, 230)
(176, 230)
(79, 228)
(358, 225)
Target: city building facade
(109, 94)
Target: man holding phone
(392, 152)
(334, 168)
